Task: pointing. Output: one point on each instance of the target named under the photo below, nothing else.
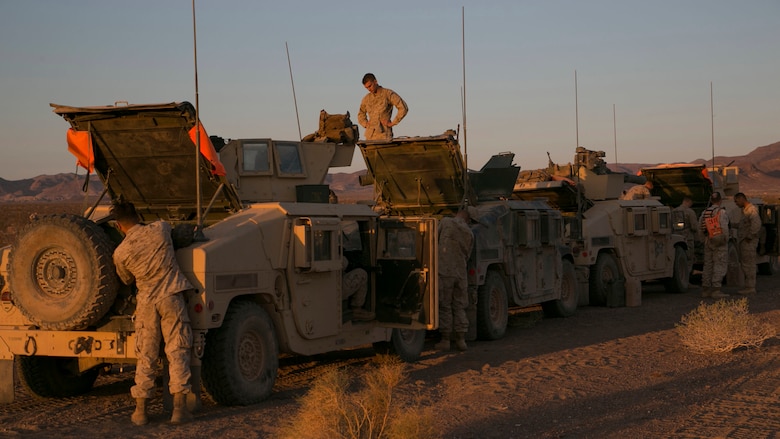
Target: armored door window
(529, 228)
(316, 245)
(552, 226)
(400, 243)
(323, 248)
(637, 221)
(288, 159)
(662, 222)
(255, 157)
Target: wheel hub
(250, 356)
(55, 272)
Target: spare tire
(61, 272)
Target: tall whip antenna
(576, 111)
(614, 133)
(295, 100)
(463, 50)
(199, 230)
(712, 127)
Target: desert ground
(602, 373)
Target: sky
(645, 71)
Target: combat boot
(139, 416)
(444, 344)
(359, 314)
(706, 291)
(746, 291)
(717, 294)
(460, 341)
(181, 413)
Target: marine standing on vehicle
(714, 222)
(146, 256)
(376, 110)
(455, 241)
(747, 240)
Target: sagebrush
(331, 410)
(723, 326)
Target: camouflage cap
(715, 197)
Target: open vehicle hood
(673, 182)
(145, 154)
(425, 175)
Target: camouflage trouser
(715, 264)
(691, 252)
(355, 284)
(165, 320)
(747, 259)
(453, 301)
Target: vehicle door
(405, 280)
(315, 281)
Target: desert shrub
(723, 326)
(331, 410)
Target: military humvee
(266, 263)
(673, 182)
(518, 258)
(617, 244)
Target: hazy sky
(654, 60)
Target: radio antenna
(199, 228)
(463, 92)
(614, 133)
(295, 100)
(712, 127)
(576, 112)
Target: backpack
(712, 223)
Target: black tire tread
(46, 377)
(219, 364)
(559, 307)
(99, 300)
(487, 329)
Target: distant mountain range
(70, 188)
(759, 177)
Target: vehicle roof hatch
(673, 182)
(416, 175)
(145, 154)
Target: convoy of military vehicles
(617, 244)
(673, 182)
(264, 241)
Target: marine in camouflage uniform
(455, 242)
(716, 244)
(376, 110)
(354, 286)
(146, 256)
(638, 192)
(747, 237)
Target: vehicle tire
(408, 344)
(241, 358)
(62, 272)
(55, 377)
(492, 307)
(681, 275)
(604, 277)
(567, 304)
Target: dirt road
(603, 373)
